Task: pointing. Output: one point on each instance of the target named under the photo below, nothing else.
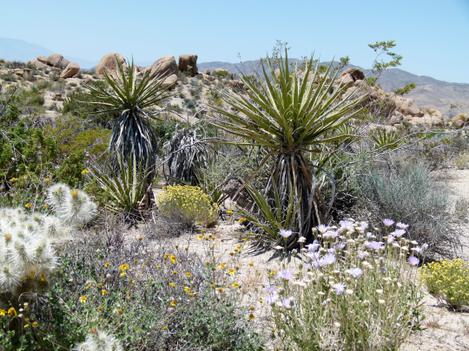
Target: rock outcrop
(54, 60)
(188, 64)
(108, 63)
(70, 71)
(165, 66)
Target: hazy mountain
(449, 98)
(20, 50)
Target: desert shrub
(407, 191)
(358, 292)
(77, 104)
(149, 297)
(187, 204)
(448, 280)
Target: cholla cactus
(99, 341)
(27, 240)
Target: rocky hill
(450, 98)
(52, 79)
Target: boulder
(70, 71)
(165, 66)
(351, 75)
(170, 81)
(108, 63)
(36, 63)
(459, 121)
(396, 118)
(58, 61)
(188, 64)
(42, 59)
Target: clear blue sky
(432, 35)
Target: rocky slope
(193, 91)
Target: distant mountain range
(449, 98)
(23, 51)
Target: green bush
(406, 190)
(448, 280)
(187, 204)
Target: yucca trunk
(133, 138)
(293, 178)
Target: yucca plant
(125, 188)
(132, 96)
(291, 113)
(187, 152)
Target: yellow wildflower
(172, 284)
(12, 312)
(83, 299)
(173, 303)
(35, 324)
(85, 171)
(28, 205)
(188, 274)
(232, 271)
(104, 292)
(235, 285)
(2, 312)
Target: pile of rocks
(57, 61)
(395, 108)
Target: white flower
(99, 341)
(284, 233)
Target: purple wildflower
(339, 288)
(374, 245)
(286, 302)
(285, 233)
(402, 225)
(391, 239)
(388, 222)
(272, 295)
(346, 225)
(413, 261)
(330, 234)
(363, 226)
(313, 247)
(326, 260)
(322, 228)
(339, 246)
(355, 272)
(285, 274)
(398, 232)
(362, 254)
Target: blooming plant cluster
(187, 204)
(448, 280)
(357, 290)
(99, 341)
(27, 240)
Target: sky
(431, 35)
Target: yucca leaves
(131, 95)
(290, 113)
(125, 188)
(133, 137)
